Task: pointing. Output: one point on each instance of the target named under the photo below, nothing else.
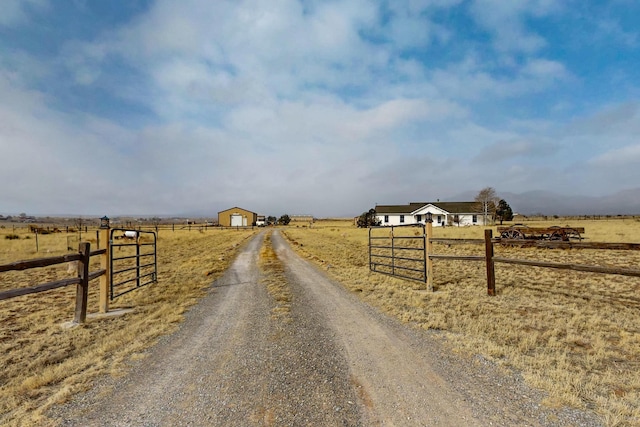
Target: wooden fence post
(103, 297)
(82, 289)
(393, 253)
(429, 261)
(491, 273)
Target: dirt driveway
(331, 360)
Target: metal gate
(133, 260)
(399, 250)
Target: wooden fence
(490, 259)
(82, 280)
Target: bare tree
(486, 202)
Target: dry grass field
(574, 335)
(44, 363)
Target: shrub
(11, 237)
(369, 219)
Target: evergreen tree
(503, 211)
(284, 220)
(368, 219)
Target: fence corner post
(82, 289)
(429, 250)
(491, 273)
(103, 297)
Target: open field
(44, 364)
(574, 335)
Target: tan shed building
(237, 217)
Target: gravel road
(331, 361)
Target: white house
(442, 213)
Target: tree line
(283, 220)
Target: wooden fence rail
(490, 259)
(40, 262)
(575, 267)
(81, 281)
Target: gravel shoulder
(332, 360)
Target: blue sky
(312, 107)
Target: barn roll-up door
(236, 220)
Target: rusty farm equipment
(524, 232)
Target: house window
(386, 218)
(475, 219)
(418, 218)
(439, 219)
(401, 219)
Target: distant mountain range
(626, 202)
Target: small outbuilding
(237, 217)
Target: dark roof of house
(451, 207)
(399, 209)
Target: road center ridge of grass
(272, 275)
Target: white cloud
(207, 52)
(15, 12)
(410, 25)
(545, 69)
(616, 120)
(83, 60)
(629, 155)
(317, 106)
(397, 113)
(473, 79)
(506, 21)
(517, 149)
(609, 29)
(254, 52)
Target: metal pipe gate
(133, 261)
(399, 250)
